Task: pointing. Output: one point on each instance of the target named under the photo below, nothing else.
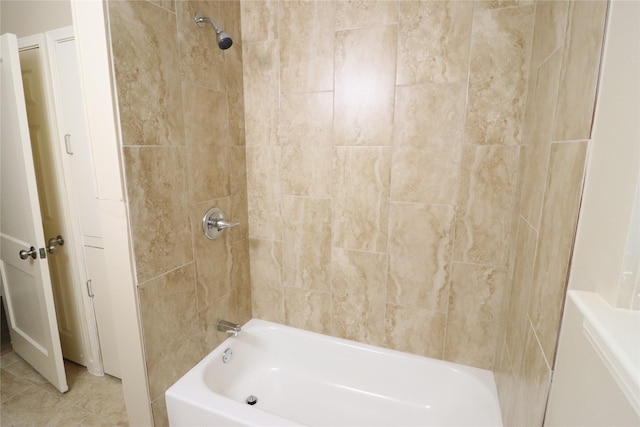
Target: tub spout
(228, 327)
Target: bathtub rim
(192, 389)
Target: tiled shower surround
(182, 120)
(412, 177)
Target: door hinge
(89, 289)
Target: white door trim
(90, 26)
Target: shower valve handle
(221, 224)
(214, 223)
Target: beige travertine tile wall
(564, 69)
(182, 117)
(382, 156)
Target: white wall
(589, 387)
(585, 392)
(613, 168)
(25, 18)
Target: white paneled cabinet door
(23, 264)
(51, 196)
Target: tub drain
(252, 400)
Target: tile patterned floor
(27, 399)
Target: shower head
(224, 39)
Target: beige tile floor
(27, 399)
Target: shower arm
(200, 20)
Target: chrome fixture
(228, 327)
(32, 252)
(54, 242)
(227, 355)
(213, 223)
(224, 39)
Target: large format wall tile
(485, 202)
(306, 243)
(171, 334)
(259, 20)
(225, 307)
(167, 4)
(583, 46)
(364, 13)
(241, 279)
(267, 294)
(306, 309)
(434, 41)
(212, 257)
(263, 188)
(238, 185)
(159, 410)
(420, 240)
(306, 47)
(426, 174)
(475, 302)
(506, 384)
(158, 209)
(533, 387)
(427, 143)
(415, 330)
(235, 95)
(144, 43)
(551, 20)
(537, 137)
(499, 4)
(305, 132)
(500, 50)
(361, 198)
(183, 154)
(557, 231)
(516, 315)
(359, 287)
(208, 143)
(424, 111)
(365, 61)
(201, 61)
(261, 83)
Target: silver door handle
(53, 242)
(32, 252)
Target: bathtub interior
(312, 379)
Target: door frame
(86, 315)
(96, 70)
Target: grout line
(570, 141)
(164, 273)
(401, 202)
(479, 264)
(521, 216)
(535, 334)
(358, 250)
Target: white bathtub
(304, 378)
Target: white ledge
(615, 336)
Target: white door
(52, 200)
(79, 169)
(27, 286)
